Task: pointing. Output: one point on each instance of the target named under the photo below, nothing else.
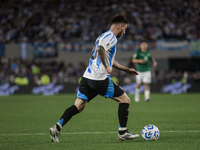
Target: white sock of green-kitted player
(137, 94)
(147, 94)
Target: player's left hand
(132, 71)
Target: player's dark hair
(120, 19)
(143, 41)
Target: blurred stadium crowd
(25, 72)
(84, 21)
(76, 20)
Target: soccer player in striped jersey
(97, 80)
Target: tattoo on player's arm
(101, 54)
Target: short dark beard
(119, 35)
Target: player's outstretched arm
(102, 57)
(118, 66)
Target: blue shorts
(88, 89)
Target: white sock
(122, 129)
(147, 94)
(137, 94)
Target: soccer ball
(150, 133)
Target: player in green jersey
(142, 58)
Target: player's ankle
(58, 126)
(122, 132)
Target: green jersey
(143, 55)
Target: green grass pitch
(25, 121)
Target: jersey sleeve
(107, 41)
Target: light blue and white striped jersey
(96, 70)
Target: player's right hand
(131, 71)
(108, 69)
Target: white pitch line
(180, 131)
(24, 134)
(90, 133)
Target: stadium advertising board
(173, 88)
(7, 89)
(52, 89)
(23, 50)
(44, 50)
(49, 89)
(87, 47)
(194, 48)
(171, 45)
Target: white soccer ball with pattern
(150, 133)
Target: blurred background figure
(143, 58)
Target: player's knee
(80, 104)
(147, 86)
(81, 109)
(125, 100)
(138, 85)
(128, 100)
